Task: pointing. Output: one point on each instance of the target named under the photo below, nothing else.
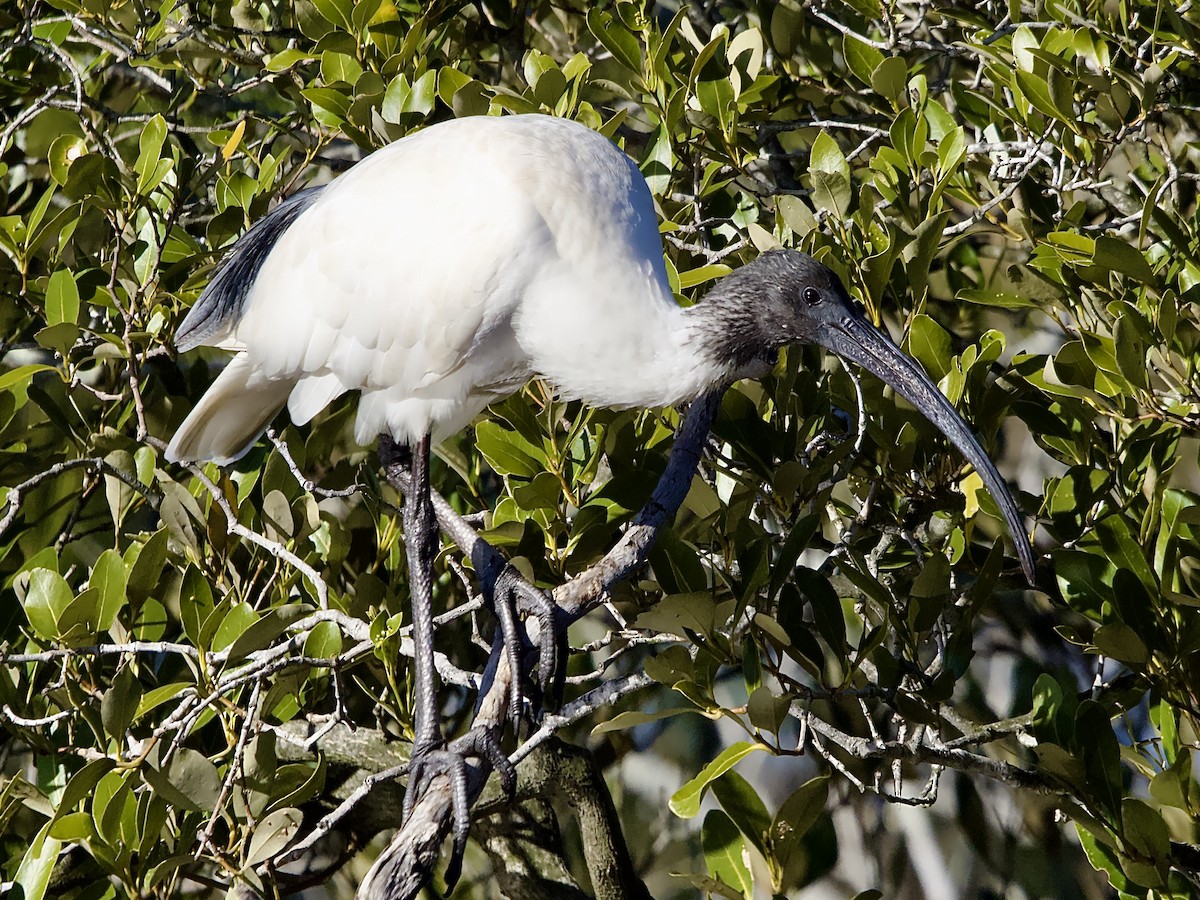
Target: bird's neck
(635, 350)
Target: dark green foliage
(1011, 190)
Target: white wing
(444, 270)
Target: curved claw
(504, 609)
(429, 763)
(483, 743)
(512, 591)
(552, 645)
(426, 765)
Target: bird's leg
(420, 541)
(505, 590)
(430, 756)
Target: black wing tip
(224, 298)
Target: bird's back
(418, 276)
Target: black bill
(859, 341)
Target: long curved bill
(859, 341)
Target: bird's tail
(236, 409)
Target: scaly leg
(420, 542)
(507, 593)
(430, 757)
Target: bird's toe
(552, 650)
(426, 765)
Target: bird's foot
(512, 596)
(430, 762)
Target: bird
(445, 270)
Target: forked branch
(407, 863)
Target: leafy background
(1010, 189)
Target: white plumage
(444, 271)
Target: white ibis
(444, 271)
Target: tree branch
(407, 864)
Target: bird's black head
(814, 300)
(783, 297)
(786, 297)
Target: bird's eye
(811, 296)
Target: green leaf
(76, 826)
(1119, 256)
(725, 852)
(156, 697)
(82, 783)
(1102, 857)
(324, 641)
(285, 59)
(741, 801)
(62, 299)
(930, 345)
(1125, 552)
(890, 78)
(1002, 299)
(751, 665)
(258, 635)
(60, 337)
(1036, 90)
(277, 516)
(766, 710)
(46, 600)
(336, 12)
(507, 452)
(679, 614)
(190, 781)
(830, 175)
(685, 802)
(235, 623)
(831, 192)
(1122, 643)
(827, 612)
(1167, 721)
(148, 166)
(402, 100)
(616, 39)
(423, 95)
(63, 152)
(272, 834)
(148, 560)
(108, 577)
(795, 214)
(861, 58)
(794, 819)
(1101, 754)
(951, 149)
(633, 718)
(363, 13)
(827, 156)
(1145, 829)
(1130, 352)
(329, 105)
(716, 99)
(119, 704)
(659, 160)
(339, 67)
(21, 375)
(693, 277)
(37, 865)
